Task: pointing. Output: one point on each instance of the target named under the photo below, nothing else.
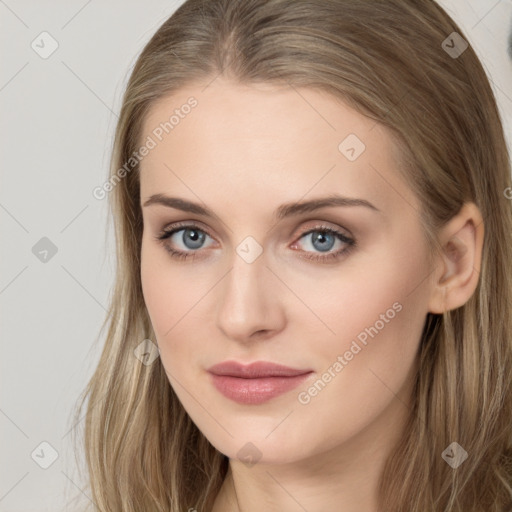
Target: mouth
(255, 383)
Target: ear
(458, 268)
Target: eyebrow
(283, 211)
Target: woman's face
(266, 282)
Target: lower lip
(255, 391)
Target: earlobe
(457, 274)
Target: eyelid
(308, 228)
(178, 226)
(322, 224)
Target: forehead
(272, 141)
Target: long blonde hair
(393, 61)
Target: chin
(255, 449)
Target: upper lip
(255, 370)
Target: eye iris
(197, 238)
(322, 237)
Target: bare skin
(242, 152)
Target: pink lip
(255, 383)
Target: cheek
(378, 317)
(162, 289)
(153, 287)
(381, 286)
(173, 301)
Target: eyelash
(329, 257)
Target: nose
(249, 306)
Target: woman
(312, 308)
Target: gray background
(57, 120)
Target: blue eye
(193, 238)
(323, 239)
